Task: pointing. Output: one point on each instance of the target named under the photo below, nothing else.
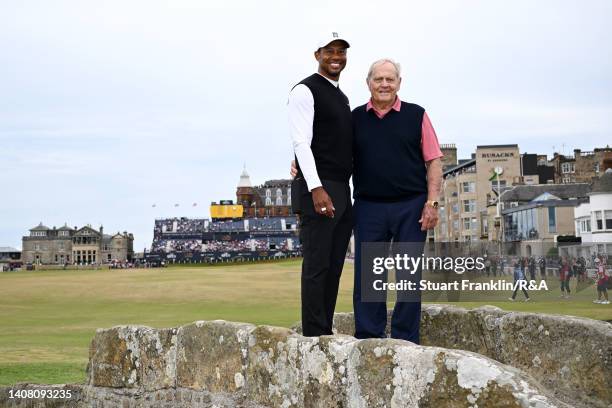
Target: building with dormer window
(80, 246)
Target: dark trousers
(516, 288)
(324, 243)
(565, 284)
(383, 222)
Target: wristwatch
(432, 204)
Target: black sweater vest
(332, 132)
(387, 153)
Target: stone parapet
(226, 364)
(570, 356)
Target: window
(455, 208)
(598, 220)
(268, 193)
(566, 180)
(467, 223)
(568, 168)
(468, 186)
(279, 201)
(485, 226)
(565, 168)
(456, 225)
(268, 201)
(583, 225)
(552, 220)
(608, 220)
(469, 205)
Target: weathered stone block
(570, 355)
(133, 356)
(290, 370)
(113, 358)
(158, 358)
(395, 373)
(451, 327)
(212, 356)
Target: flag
(176, 205)
(195, 204)
(154, 205)
(493, 177)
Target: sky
(112, 112)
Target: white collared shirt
(301, 117)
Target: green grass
(48, 318)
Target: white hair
(396, 65)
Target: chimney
(101, 230)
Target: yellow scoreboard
(226, 210)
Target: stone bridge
(484, 357)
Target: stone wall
(508, 359)
(570, 356)
(225, 364)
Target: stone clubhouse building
(80, 246)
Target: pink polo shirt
(429, 141)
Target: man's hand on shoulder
(322, 202)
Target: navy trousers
(383, 222)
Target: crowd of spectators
(200, 225)
(179, 225)
(166, 231)
(252, 244)
(176, 245)
(226, 226)
(273, 243)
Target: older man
(397, 173)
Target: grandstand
(204, 240)
(258, 225)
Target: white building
(594, 218)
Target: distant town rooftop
(526, 193)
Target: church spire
(245, 180)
